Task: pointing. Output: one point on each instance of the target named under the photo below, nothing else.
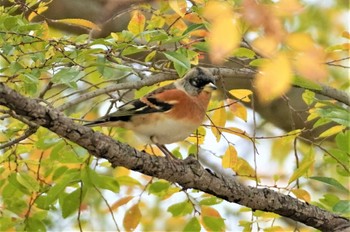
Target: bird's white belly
(164, 132)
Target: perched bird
(168, 114)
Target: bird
(168, 114)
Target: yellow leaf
(266, 45)
(215, 9)
(179, 6)
(225, 34)
(239, 110)
(79, 22)
(132, 218)
(304, 166)
(243, 168)
(223, 38)
(274, 78)
(241, 94)
(235, 131)
(302, 194)
(265, 215)
(115, 36)
(219, 120)
(230, 157)
(117, 204)
(198, 137)
(178, 26)
(38, 11)
(137, 23)
(300, 41)
(274, 229)
(332, 131)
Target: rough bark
(187, 173)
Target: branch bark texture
(187, 173)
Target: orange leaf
(79, 22)
(137, 23)
(346, 35)
(230, 157)
(288, 7)
(193, 18)
(310, 64)
(132, 218)
(209, 211)
(274, 78)
(178, 25)
(120, 202)
(179, 6)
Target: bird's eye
(194, 83)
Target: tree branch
(187, 173)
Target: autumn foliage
(271, 46)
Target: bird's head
(197, 80)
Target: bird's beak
(210, 87)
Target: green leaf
(214, 223)
(342, 139)
(105, 182)
(133, 50)
(180, 209)
(127, 180)
(258, 62)
(308, 97)
(28, 182)
(71, 176)
(335, 113)
(59, 172)
(192, 226)
(210, 201)
(67, 76)
(201, 46)
(14, 181)
(181, 62)
(330, 200)
(33, 224)
(305, 83)
(6, 223)
(244, 52)
(343, 206)
(46, 142)
(341, 157)
(71, 202)
(331, 181)
(159, 187)
(193, 27)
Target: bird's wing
(145, 105)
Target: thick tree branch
(188, 173)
